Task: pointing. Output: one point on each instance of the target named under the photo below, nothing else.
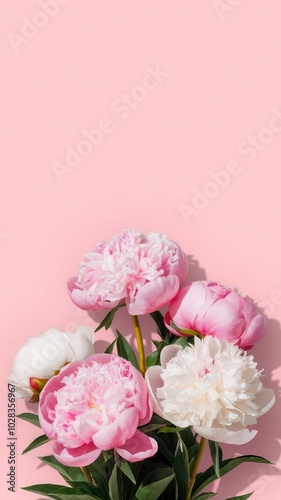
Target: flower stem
(139, 344)
(87, 474)
(195, 467)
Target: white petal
(169, 352)
(153, 382)
(223, 435)
(265, 399)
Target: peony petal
(153, 295)
(116, 433)
(255, 330)
(169, 352)
(76, 457)
(180, 267)
(138, 448)
(222, 320)
(83, 300)
(264, 399)
(223, 435)
(149, 412)
(187, 304)
(153, 382)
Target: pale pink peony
(144, 272)
(94, 405)
(212, 386)
(209, 308)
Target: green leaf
(226, 466)
(205, 496)
(110, 348)
(161, 327)
(164, 448)
(154, 483)
(59, 492)
(68, 473)
(181, 468)
(216, 454)
(153, 359)
(37, 442)
(107, 321)
(126, 469)
(98, 470)
(30, 417)
(113, 485)
(125, 351)
(183, 341)
(88, 488)
(243, 497)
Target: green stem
(139, 344)
(195, 467)
(87, 474)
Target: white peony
(41, 357)
(212, 386)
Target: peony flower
(145, 272)
(41, 357)
(94, 405)
(210, 308)
(213, 386)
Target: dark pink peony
(209, 308)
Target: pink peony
(145, 272)
(94, 405)
(209, 308)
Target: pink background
(214, 106)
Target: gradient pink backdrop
(219, 89)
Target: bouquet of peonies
(126, 427)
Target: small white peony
(212, 386)
(42, 357)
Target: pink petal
(255, 330)
(76, 457)
(222, 320)
(187, 304)
(138, 448)
(223, 435)
(153, 295)
(115, 434)
(149, 412)
(83, 300)
(180, 267)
